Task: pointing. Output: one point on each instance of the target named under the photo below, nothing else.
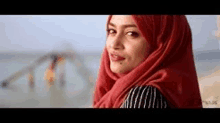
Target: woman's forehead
(122, 20)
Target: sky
(83, 33)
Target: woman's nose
(116, 44)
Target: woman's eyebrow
(123, 26)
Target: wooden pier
(70, 56)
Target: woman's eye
(133, 34)
(110, 31)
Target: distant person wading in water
(50, 72)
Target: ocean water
(207, 62)
(77, 90)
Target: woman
(147, 63)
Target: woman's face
(126, 46)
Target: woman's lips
(116, 57)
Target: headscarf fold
(169, 66)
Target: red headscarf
(169, 66)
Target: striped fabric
(145, 97)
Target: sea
(75, 90)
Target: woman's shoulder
(145, 97)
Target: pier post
(31, 78)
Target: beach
(210, 89)
(77, 92)
(74, 92)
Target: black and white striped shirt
(145, 97)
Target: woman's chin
(119, 70)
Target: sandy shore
(210, 89)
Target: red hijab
(169, 66)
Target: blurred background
(30, 45)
